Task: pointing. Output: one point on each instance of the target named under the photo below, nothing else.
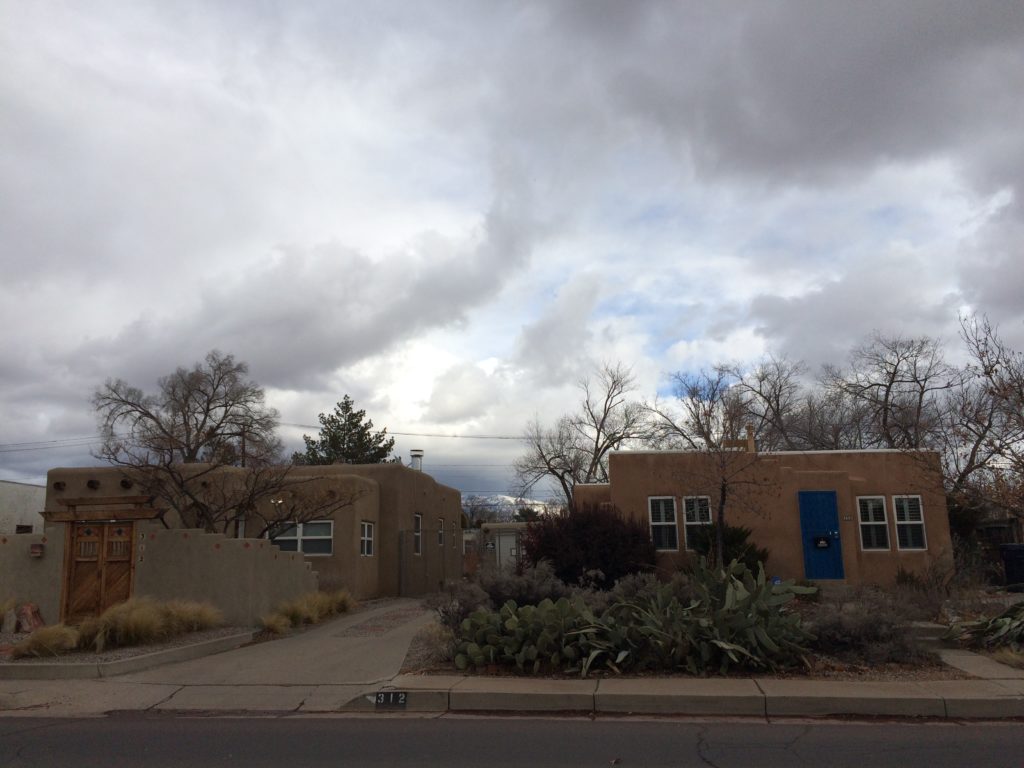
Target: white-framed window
(874, 528)
(664, 532)
(313, 538)
(440, 531)
(365, 539)
(696, 513)
(909, 522)
(417, 534)
(455, 540)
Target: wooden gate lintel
(103, 508)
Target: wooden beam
(83, 501)
(103, 513)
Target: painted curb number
(391, 699)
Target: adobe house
(847, 516)
(105, 540)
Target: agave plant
(1004, 630)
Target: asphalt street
(161, 740)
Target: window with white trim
(455, 539)
(696, 514)
(440, 531)
(874, 529)
(313, 538)
(909, 522)
(365, 539)
(417, 534)
(664, 533)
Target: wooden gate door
(99, 572)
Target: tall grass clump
(142, 620)
(310, 608)
(47, 641)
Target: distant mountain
(501, 508)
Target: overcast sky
(451, 210)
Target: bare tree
(711, 415)
(180, 445)
(575, 450)
(772, 394)
(983, 428)
(900, 382)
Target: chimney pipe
(416, 459)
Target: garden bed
(423, 658)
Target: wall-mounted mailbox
(36, 550)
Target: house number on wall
(391, 699)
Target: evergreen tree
(345, 438)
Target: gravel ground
(116, 654)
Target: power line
(422, 434)
(51, 446)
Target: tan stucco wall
(764, 498)
(33, 579)
(387, 495)
(405, 492)
(345, 567)
(245, 578)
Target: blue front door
(819, 526)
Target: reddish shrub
(591, 545)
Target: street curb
(583, 697)
(94, 670)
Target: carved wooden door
(99, 568)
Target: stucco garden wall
(245, 578)
(33, 579)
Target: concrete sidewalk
(342, 666)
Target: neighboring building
(494, 545)
(20, 507)
(854, 516)
(104, 541)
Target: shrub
(865, 627)
(134, 622)
(593, 539)
(736, 620)
(457, 601)
(1003, 631)
(183, 616)
(314, 607)
(276, 623)
(527, 587)
(47, 641)
(143, 620)
(441, 642)
(735, 541)
(343, 601)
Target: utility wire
(421, 434)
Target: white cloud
(451, 211)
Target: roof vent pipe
(416, 459)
